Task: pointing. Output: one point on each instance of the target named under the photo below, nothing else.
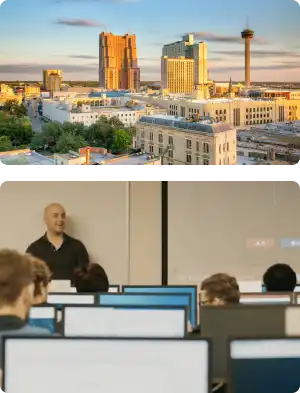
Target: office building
(182, 142)
(52, 79)
(238, 112)
(177, 60)
(32, 92)
(178, 74)
(118, 64)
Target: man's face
(55, 219)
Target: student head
(220, 289)
(41, 280)
(280, 278)
(55, 219)
(16, 284)
(91, 279)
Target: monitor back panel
(264, 365)
(93, 365)
(124, 321)
(43, 317)
(191, 289)
(222, 323)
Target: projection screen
(240, 228)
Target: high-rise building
(52, 79)
(177, 75)
(180, 56)
(118, 64)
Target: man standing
(61, 252)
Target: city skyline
(64, 34)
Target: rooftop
(25, 158)
(134, 159)
(183, 125)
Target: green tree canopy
(5, 144)
(122, 141)
(116, 123)
(67, 142)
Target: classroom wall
(217, 227)
(119, 222)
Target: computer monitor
(43, 317)
(266, 298)
(93, 365)
(191, 289)
(224, 322)
(114, 288)
(123, 321)
(145, 299)
(61, 299)
(296, 290)
(264, 365)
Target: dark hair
(91, 279)
(222, 286)
(16, 273)
(41, 275)
(280, 278)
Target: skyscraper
(177, 60)
(52, 79)
(118, 64)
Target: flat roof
(31, 158)
(186, 126)
(133, 160)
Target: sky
(63, 34)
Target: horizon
(64, 34)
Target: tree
(122, 141)
(74, 128)
(67, 142)
(131, 131)
(51, 132)
(13, 108)
(5, 144)
(100, 134)
(38, 142)
(116, 123)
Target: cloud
(282, 66)
(33, 68)
(82, 57)
(78, 22)
(260, 53)
(212, 37)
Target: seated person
(280, 278)
(218, 290)
(16, 295)
(42, 279)
(91, 279)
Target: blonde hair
(41, 274)
(222, 286)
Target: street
(37, 123)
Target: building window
(188, 143)
(170, 153)
(142, 146)
(160, 138)
(220, 149)
(143, 134)
(197, 145)
(197, 160)
(205, 147)
(188, 158)
(227, 146)
(151, 148)
(224, 147)
(205, 161)
(171, 140)
(151, 136)
(160, 151)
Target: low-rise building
(238, 112)
(24, 157)
(68, 111)
(31, 92)
(182, 142)
(7, 94)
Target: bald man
(61, 252)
